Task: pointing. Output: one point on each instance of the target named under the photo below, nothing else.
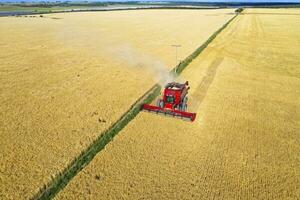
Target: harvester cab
(173, 102)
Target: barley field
(65, 78)
(245, 141)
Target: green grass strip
(63, 178)
(177, 70)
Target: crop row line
(49, 190)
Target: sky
(248, 1)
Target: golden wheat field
(67, 77)
(245, 141)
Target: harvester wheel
(160, 103)
(157, 102)
(183, 105)
(179, 107)
(184, 108)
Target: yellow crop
(65, 78)
(244, 143)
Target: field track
(202, 88)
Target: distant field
(55, 8)
(245, 141)
(65, 78)
(40, 9)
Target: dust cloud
(139, 60)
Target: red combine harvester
(174, 102)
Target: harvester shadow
(202, 89)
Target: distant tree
(239, 10)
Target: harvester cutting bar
(175, 113)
